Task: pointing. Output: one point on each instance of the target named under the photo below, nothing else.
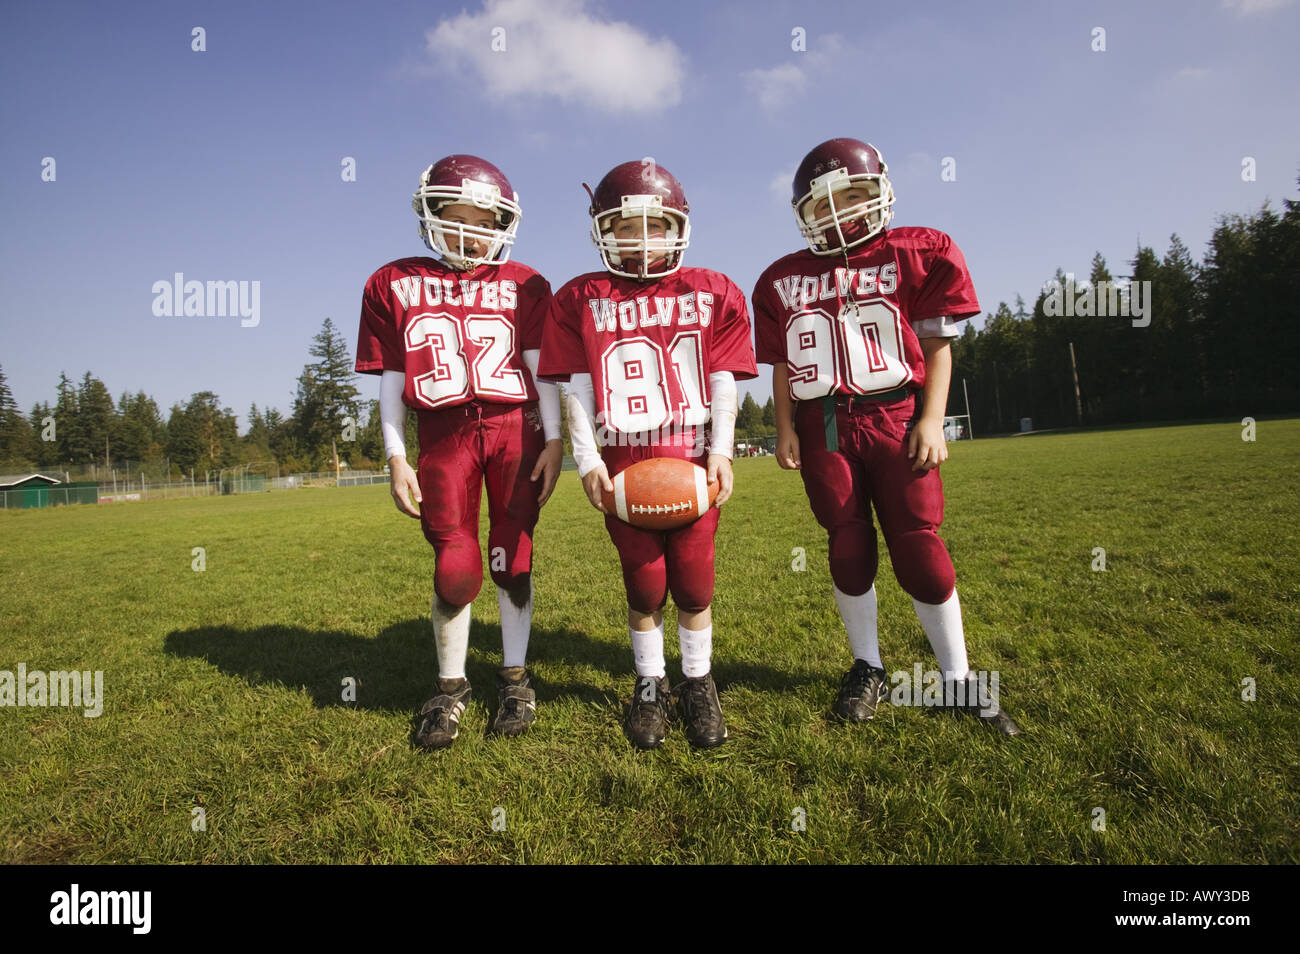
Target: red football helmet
(466, 180)
(640, 190)
(830, 170)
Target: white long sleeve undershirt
(941, 327)
(582, 409)
(722, 409)
(548, 397)
(392, 413)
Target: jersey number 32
(452, 375)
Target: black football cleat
(438, 723)
(861, 690)
(965, 701)
(650, 713)
(517, 708)
(702, 712)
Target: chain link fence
(138, 488)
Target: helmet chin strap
(844, 252)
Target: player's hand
(926, 444)
(787, 451)
(547, 468)
(719, 469)
(597, 480)
(404, 486)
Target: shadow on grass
(395, 671)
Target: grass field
(223, 688)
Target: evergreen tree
(749, 420)
(1178, 334)
(44, 452)
(1053, 383)
(1100, 352)
(1230, 297)
(258, 434)
(769, 416)
(70, 436)
(202, 436)
(16, 451)
(99, 423)
(140, 428)
(280, 437)
(326, 395)
(255, 445)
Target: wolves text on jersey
(797, 291)
(498, 295)
(693, 308)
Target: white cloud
(781, 183)
(1246, 8)
(556, 48)
(776, 86)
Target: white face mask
(668, 248)
(448, 238)
(844, 227)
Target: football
(660, 494)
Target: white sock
(648, 652)
(942, 625)
(516, 625)
(451, 638)
(697, 650)
(859, 615)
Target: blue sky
(225, 164)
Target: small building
(22, 491)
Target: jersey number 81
(637, 395)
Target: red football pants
(461, 449)
(657, 562)
(872, 470)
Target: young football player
(651, 351)
(857, 329)
(457, 338)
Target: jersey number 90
(859, 350)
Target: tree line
(1219, 338)
(86, 431)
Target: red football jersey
(847, 328)
(649, 346)
(458, 336)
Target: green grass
(223, 687)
